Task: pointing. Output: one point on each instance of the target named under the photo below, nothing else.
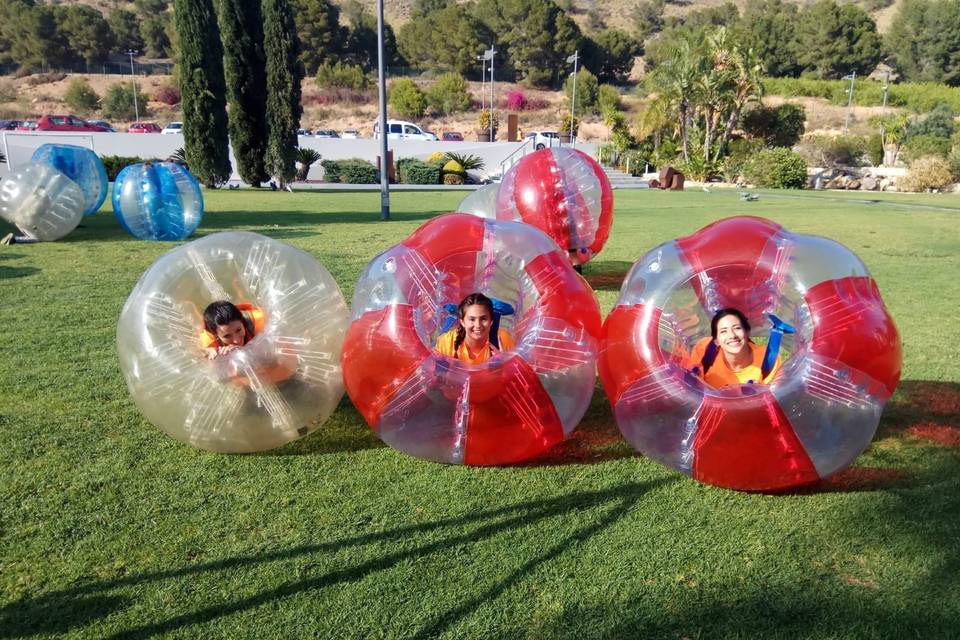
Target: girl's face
(731, 336)
(476, 322)
(231, 334)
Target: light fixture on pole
(575, 58)
(853, 79)
(488, 55)
(382, 79)
(133, 80)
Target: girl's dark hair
(710, 354)
(220, 313)
(469, 301)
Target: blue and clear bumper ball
(157, 201)
(42, 202)
(81, 165)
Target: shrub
(779, 126)
(414, 171)
(779, 168)
(437, 156)
(516, 101)
(483, 120)
(938, 123)
(608, 98)
(922, 146)
(587, 91)
(565, 124)
(467, 161)
(305, 158)
(449, 94)
(452, 166)
(452, 178)
(8, 92)
(115, 164)
(168, 94)
(407, 99)
(341, 75)
(45, 78)
(954, 160)
(916, 96)
(359, 172)
(118, 102)
(875, 149)
(80, 96)
(928, 172)
(822, 150)
(739, 151)
(342, 95)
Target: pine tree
(246, 75)
(284, 74)
(203, 91)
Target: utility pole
(853, 79)
(382, 78)
(575, 58)
(133, 80)
(488, 55)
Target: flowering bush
(516, 101)
(168, 94)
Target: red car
(66, 123)
(144, 127)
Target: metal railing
(513, 158)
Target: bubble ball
(482, 202)
(564, 193)
(277, 388)
(157, 201)
(510, 408)
(42, 202)
(81, 165)
(840, 356)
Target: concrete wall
(19, 146)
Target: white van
(402, 130)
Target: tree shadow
(606, 275)
(17, 272)
(60, 611)
(925, 409)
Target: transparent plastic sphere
(512, 407)
(482, 202)
(157, 201)
(279, 387)
(42, 202)
(840, 356)
(81, 165)
(564, 193)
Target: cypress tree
(202, 91)
(246, 74)
(284, 74)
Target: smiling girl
(470, 341)
(729, 356)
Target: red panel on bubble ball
(380, 351)
(563, 293)
(747, 443)
(512, 417)
(621, 362)
(729, 241)
(606, 205)
(537, 195)
(852, 325)
(447, 235)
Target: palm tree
(305, 158)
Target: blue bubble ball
(157, 201)
(81, 165)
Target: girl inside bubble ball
(729, 356)
(470, 340)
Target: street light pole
(575, 58)
(483, 82)
(492, 53)
(853, 79)
(382, 78)
(133, 80)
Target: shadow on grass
(273, 223)
(17, 272)
(606, 275)
(922, 407)
(61, 611)
(344, 432)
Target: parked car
(27, 125)
(304, 132)
(144, 127)
(173, 128)
(9, 125)
(350, 133)
(543, 139)
(402, 130)
(103, 124)
(452, 136)
(325, 133)
(65, 123)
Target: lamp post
(575, 58)
(853, 79)
(133, 81)
(483, 82)
(488, 55)
(382, 79)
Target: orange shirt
(446, 341)
(721, 375)
(254, 320)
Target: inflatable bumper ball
(509, 408)
(157, 201)
(81, 165)
(813, 418)
(482, 202)
(278, 387)
(42, 202)
(564, 193)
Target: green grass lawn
(108, 528)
